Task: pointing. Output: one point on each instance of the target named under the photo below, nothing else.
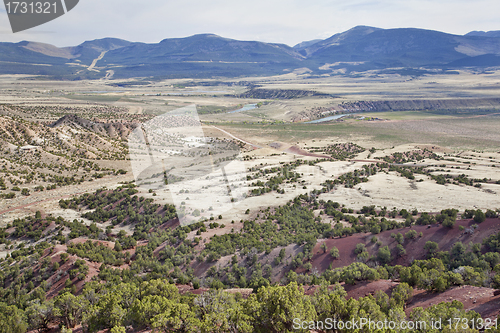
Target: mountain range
(207, 55)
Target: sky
(279, 21)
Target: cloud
(283, 21)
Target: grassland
(397, 128)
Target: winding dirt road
(92, 65)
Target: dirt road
(236, 138)
(91, 67)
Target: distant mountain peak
(494, 33)
(105, 44)
(364, 28)
(208, 35)
(205, 55)
(47, 49)
(195, 37)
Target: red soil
(482, 300)
(445, 237)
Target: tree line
(158, 304)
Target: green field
(406, 127)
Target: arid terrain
(399, 187)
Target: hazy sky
(282, 21)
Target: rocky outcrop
(112, 130)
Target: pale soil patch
(68, 214)
(135, 109)
(476, 172)
(337, 168)
(47, 201)
(391, 190)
